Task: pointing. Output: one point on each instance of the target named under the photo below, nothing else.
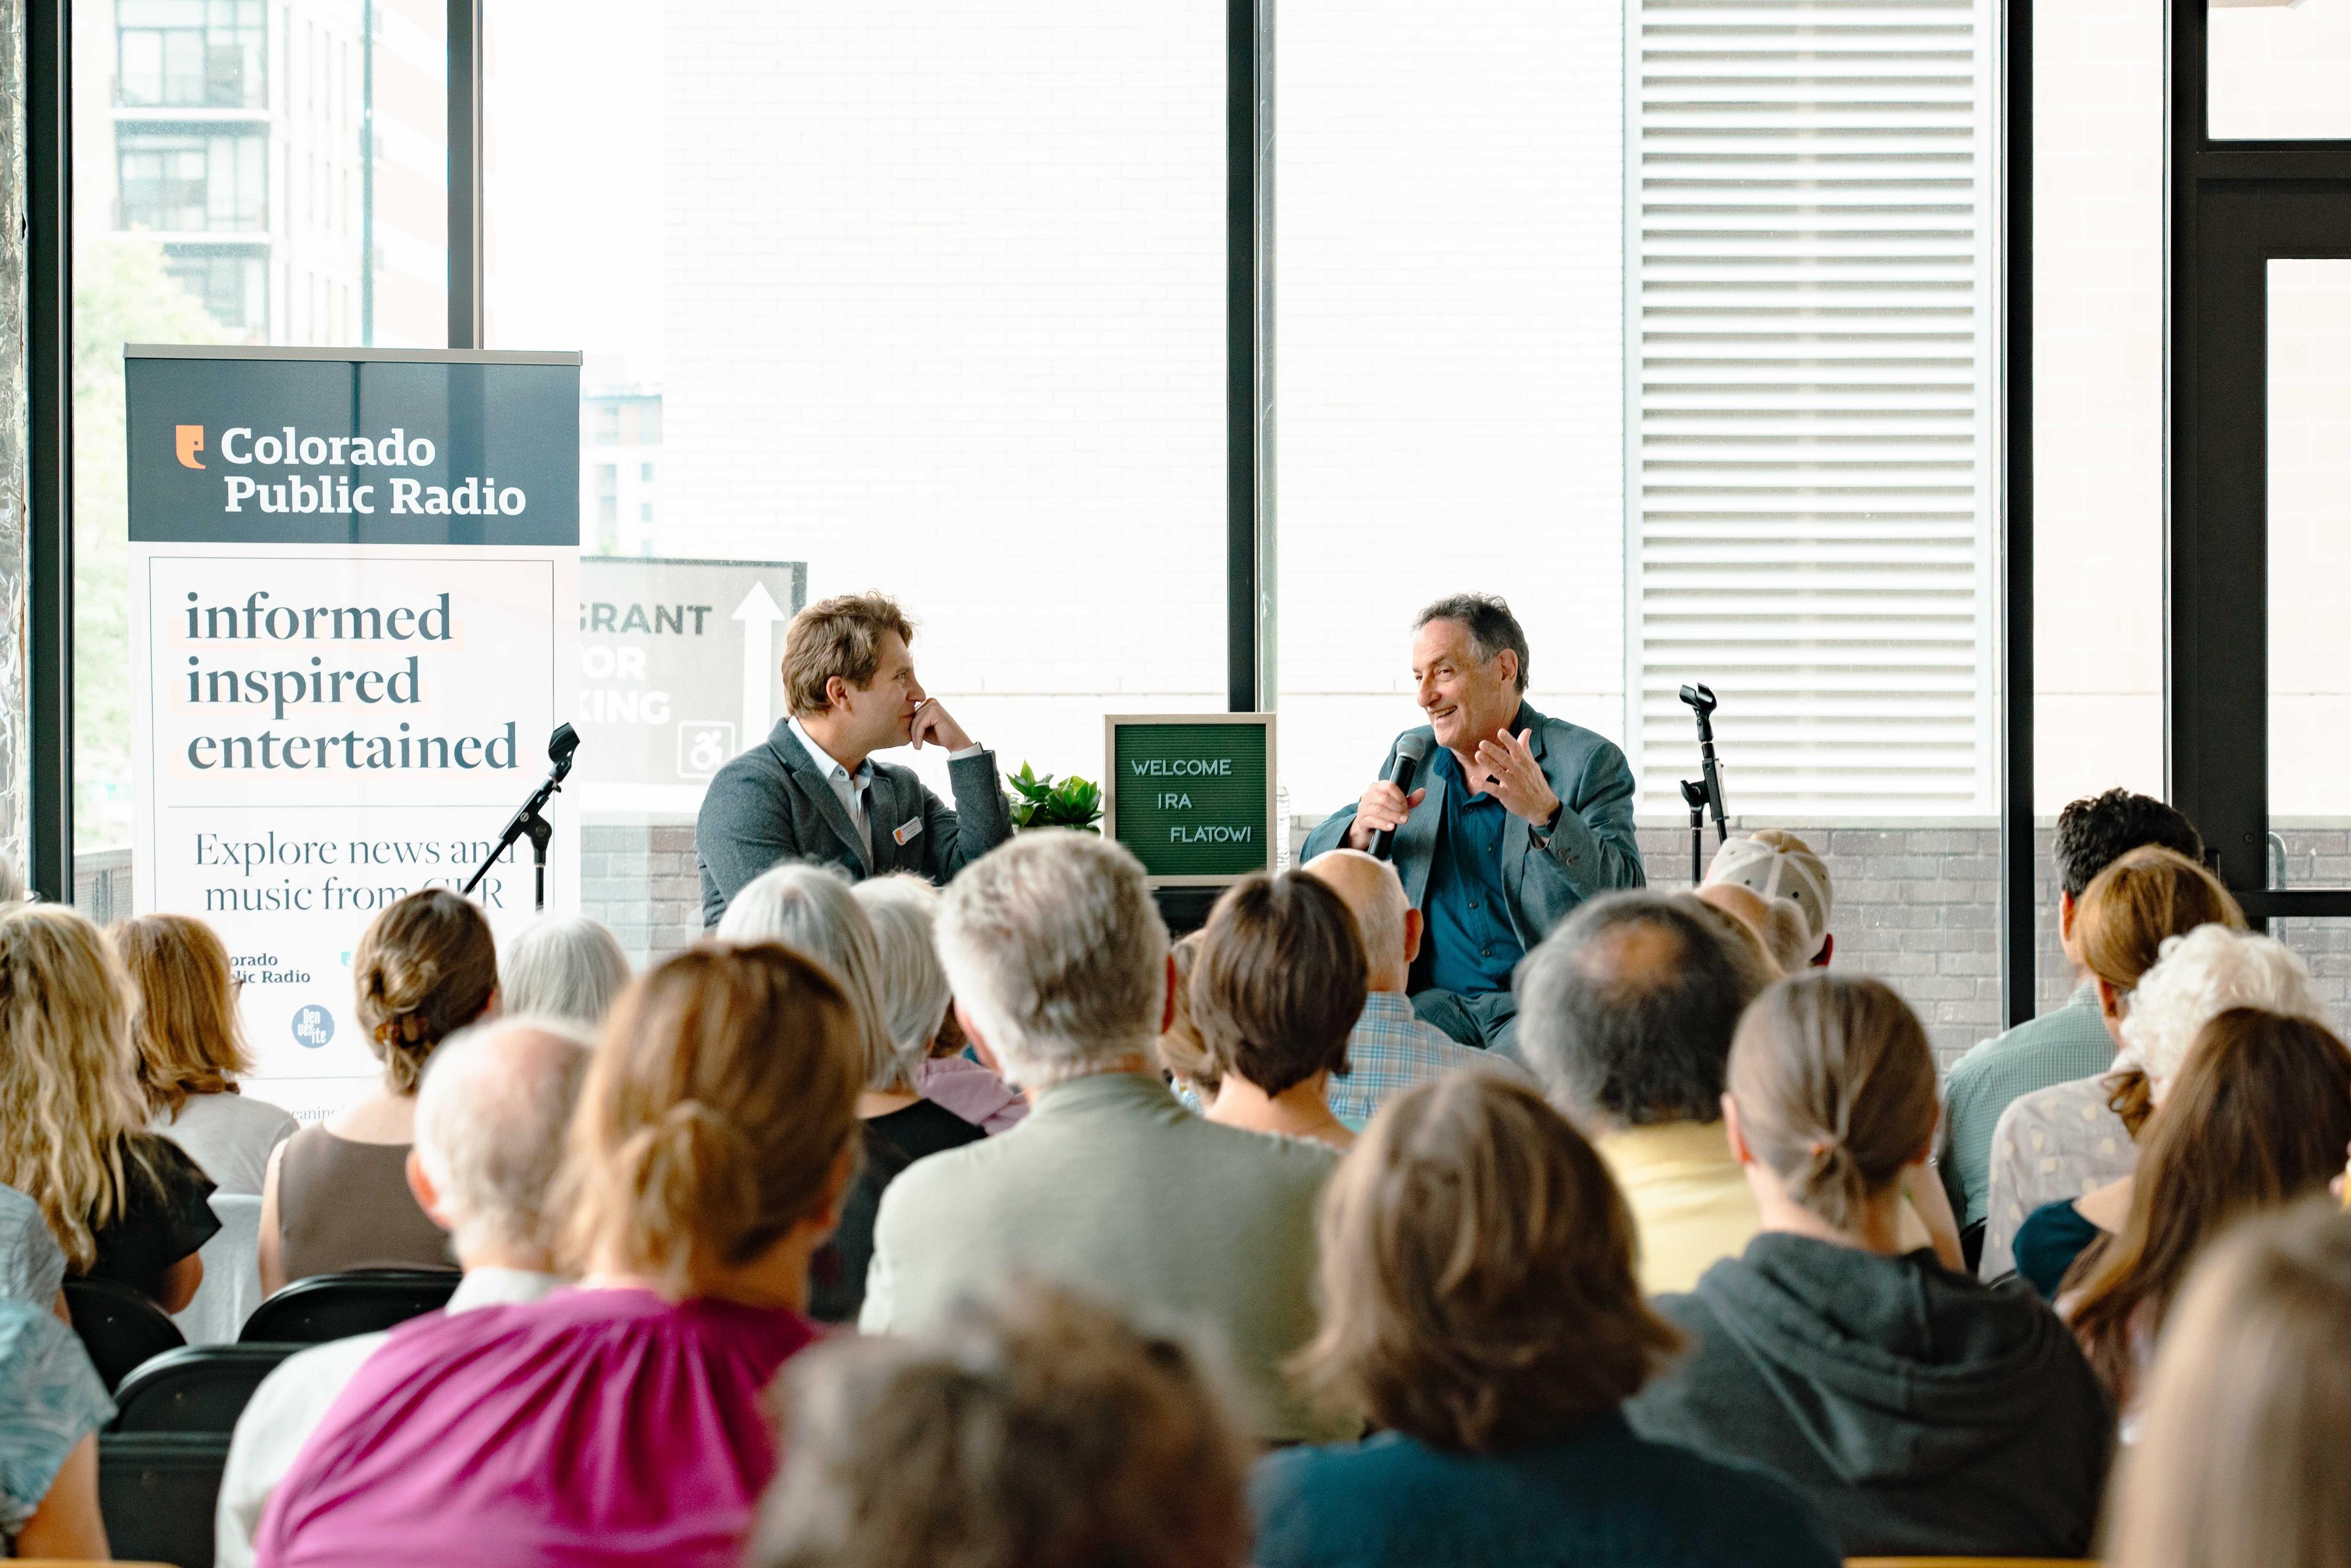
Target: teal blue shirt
(1473, 944)
(2056, 1048)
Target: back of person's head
(904, 911)
(1834, 1084)
(491, 1118)
(2096, 831)
(68, 1090)
(720, 1101)
(183, 1008)
(1057, 954)
(1782, 869)
(809, 907)
(1375, 895)
(1625, 1011)
(2144, 897)
(1033, 1431)
(564, 967)
(1477, 1273)
(1751, 940)
(1742, 942)
(842, 637)
(2259, 1116)
(1181, 1051)
(2200, 976)
(2239, 1455)
(1280, 982)
(424, 968)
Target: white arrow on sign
(760, 614)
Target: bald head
(491, 1121)
(1390, 925)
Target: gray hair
(904, 911)
(809, 907)
(1054, 947)
(491, 1120)
(2200, 976)
(566, 967)
(1487, 618)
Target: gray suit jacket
(770, 805)
(1592, 848)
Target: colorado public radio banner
(354, 592)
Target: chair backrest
(232, 1286)
(118, 1326)
(197, 1388)
(157, 1490)
(336, 1306)
(1970, 1563)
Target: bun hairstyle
(1835, 1088)
(718, 1104)
(425, 969)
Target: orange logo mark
(191, 441)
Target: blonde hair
(70, 1096)
(840, 636)
(183, 1020)
(1835, 1088)
(719, 1101)
(2144, 898)
(2238, 1460)
(424, 968)
(1477, 1273)
(1179, 1047)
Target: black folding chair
(197, 1388)
(157, 1490)
(118, 1326)
(336, 1306)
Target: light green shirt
(2056, 1048)
(1112, 1188)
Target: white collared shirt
(850, 789)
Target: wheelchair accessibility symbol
(314, 1026)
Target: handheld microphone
(1411, 752)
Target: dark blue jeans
(1488, 1021)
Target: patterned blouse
(2049, 1146)
(31, 1265)
(51, 1399)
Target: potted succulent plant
(1037, 800)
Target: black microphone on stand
(1411, 752)
(527, 822)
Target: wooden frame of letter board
(1110, 789)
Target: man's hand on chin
(1516, 779)
(933, 723)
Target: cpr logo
(314, 1026)
(190, 440)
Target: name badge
(907, 829)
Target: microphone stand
(1705, 796)
(527, 822)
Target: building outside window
(195, 181)
(191, 54)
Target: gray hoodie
(1921, 1412)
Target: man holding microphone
(1512, 819)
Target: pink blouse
(593, 1427)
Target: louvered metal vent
(1811, 415)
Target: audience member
(1032, 1431)
(621, 1422)
(337, 1193)
(2257, 1119)
(2071, 1044)
(1279, 985)
(1060, 965)
(917, 1005)
(2200, 976)
(491, 1119)
(2239, 1458)
(1479, 1305)
(52, 1404)
(564, 967)
(810, 909)
(1921, 1411)
(1181, 1052)
(123, 1204)
(190, 1050)
(32, 1265)
(1753, 915)
(2057, 1144)
(1781, 870)
(1389, 1050)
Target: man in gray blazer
(1513, 821)
(812, 791)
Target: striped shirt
(1390, 1049)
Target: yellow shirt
(1691, 1205)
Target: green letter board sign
(1191, 794)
